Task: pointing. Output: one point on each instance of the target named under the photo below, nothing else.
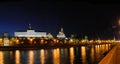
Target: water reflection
(1, 58)
(42, 56)
(107, 47)
(17, 57)
(92, 55)
(64, 55)
(56, 56)
(73, 55)
(11, 54)
(97, 49)
(83, 54)
(31, 57)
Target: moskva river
(74, 55)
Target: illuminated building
(61, 34)
(29, 33)
(50, 35)
(5, 39)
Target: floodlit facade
(50, 35)
(6, 39)
(30, 33)
(61, 34)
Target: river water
(73, 55)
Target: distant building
(6, 39)
(50, 35)
(30, 33)
(61, 34)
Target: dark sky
(76, 17)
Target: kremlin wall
(32, 33)
(29, 35)
(39, 38)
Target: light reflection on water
(17, 57)
(83, 54)
(31, 57)
(1, 58)
(72, 55)
(92, 55)
(42, 56)
(56, 56)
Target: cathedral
(61, 34)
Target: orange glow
(107, 47)
(17, 57)
(17, 41)
(31, 57)
(11, 43)
(35, 42)
(1, 40)
(92, 54)
(27, 38)
(54, 40)
(57, 41)
(82, 41)
(72, 55)
(102, 47)
(31, 40)
(1, 58)
(83, 54)
(46, 38)
(91, 41)
(11, 54)
(42, 56)
(97, 48)
(42, 41)
(71, 40)
(56, 56)
(119, 22)
(22, 42)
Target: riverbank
(31, 47)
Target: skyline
(81, 18)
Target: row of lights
(43, 40)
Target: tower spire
(30, 27)
(61, 30)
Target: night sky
(76, 17)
